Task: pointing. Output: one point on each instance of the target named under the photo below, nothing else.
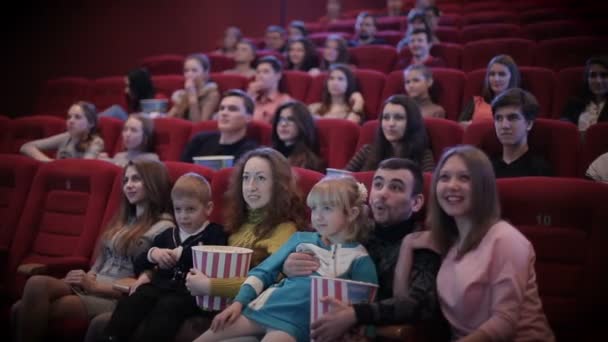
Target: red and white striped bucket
(346, 291)
(220, 262)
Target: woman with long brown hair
(340, 98)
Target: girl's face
(416, 85)
(133, 186)
(499, 77)
(77, 124)
(133, 134)
(330, 53)
(337, 83)
(194, 70)
(287, 130)
(454, 191)
(598, 80)
(257, 183)
(394, 122)
(330, 221)
(296, 53)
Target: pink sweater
(493, 288)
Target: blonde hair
(344, 193)
(192, 185)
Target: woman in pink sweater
(486, 284)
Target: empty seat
(561, 53)
(110, 130)
(170, 137)
(5, 144)
(449, 19)
(319, 38)
(31, 128)
(481, 6)
(108, 91)
(168, 84)
(449, 34)
(450, 53)
(391, 37)
(489, 17)
(381, 58)
(164, 64)
(490, 31)
(342, 25)
(556, 141)
(337, 140)
(555, 29)
(541, 15)
(595, 144)
(569, 84)
(296, 84)
(259, 131)
(220, 62)
(57, 95)
(391, 23)
(477, 54)
(229, 81)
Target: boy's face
(511, 126)
(191, 213)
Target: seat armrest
(32, 269)
(123, 285)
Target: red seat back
(170, 137)
(337, 140)
(220, 62)
(57, 95)
(110, 130)
(177, 169)
(567, 52)
(477, 54)
(296, 84)
(108, 91)
(31, 128)
(168, 64)
(570, 82)
(490, 31)
(381, 58)
(168, 84)
(229, 81)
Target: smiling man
(514, 112)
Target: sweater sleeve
(427, 164)
(356, 162)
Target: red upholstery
(229, 81)
(31, 128)
(446, 89)
(168, 84)
(376, 57)
(391, 23)
(443, 134)
(220, 62)
(449, 34)
(164, 64)
(561, 53)
(452, 8)
(170, 137)
(318, 38)
(556, 141)
(371, 84)
(337, 139)
(367, 133)
(110, 130)
(542, 15)
(263, 53)
(449, 19)
(489, 17)
(5, 123)
(261, 132)
(595, 144)
(219, 187)
(64, 210)
(481, 6)
(569, 84)
(565, 219)
(555, 29)
(477, 54)
(108, 91)
(177, 169)
(391, 37)
(296, 84)
(539, 81)
(490, 31)
(57, 95)
(343, 25)
(450, 53)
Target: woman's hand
(79, 278)
(144, 278)
(336, 323)
(227, 317)
(198, 283)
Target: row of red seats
(452, 88)
(58, 209)
(557, 141)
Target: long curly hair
(351, 86)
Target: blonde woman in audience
(200, 97)
(143, 213)
(418, 81)
(79, 141)
(502, 73)
(244, 57)
(340, 98)
(401, 134)
(137, 139)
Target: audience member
(333, 12)
(79, 141)
(137, 140)
(265, 89)
(416, 20)
(419, 45)
(514, 112)
(335, 51)
(232, 36)
(365, 31)
(297, 30)
(294, 134)
(244, 57)
(418, 80)
(401, 133)
(598, 170)
(340, 98)
(301, 55)
(138, 86)
(394, 8)
(235, 112)
(275, 38)
(199, 98)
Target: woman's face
(257, 183)
(499, 77)
(287, 130)
(77, 123)
(133, 186)
(133, 134)
(244, 53)
(394, 122)
(416, 85)
(194, 70)
(454, 190)
(598, 80)
(330, 53)
(296, 53)
(337, 83)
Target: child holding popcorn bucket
(282, 311)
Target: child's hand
(197, 283)
(143, 279)
(165, 258)
(226, 317)
(300, 264)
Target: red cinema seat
(450, 53)
(261, 132)
(391, 23)
(229, 81)
(337, 139)
(483, 6)
(450, 19)
(477, 54)
(567, 52)
(5, 123)
(168, 84)
(557, 141)
(570, 81)
(446, 89)
(473, 33)
(319, 38)
(539, 81)
(342, 25)
(170, 137)
(64, 209)
(449, 34)
(391, 37)
(541, 15)
(565, 219)
(220, 62)
(31, 128)
(108, 91)
(381, 58)
(313, 27)
(596, 144)
(489, 17)
(164, 64)
(296, 84)
(556, 29)
(367, 133)
(57, 95)
(177, 169)
(110, 130)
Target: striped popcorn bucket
(347, 291)
(220, 262)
